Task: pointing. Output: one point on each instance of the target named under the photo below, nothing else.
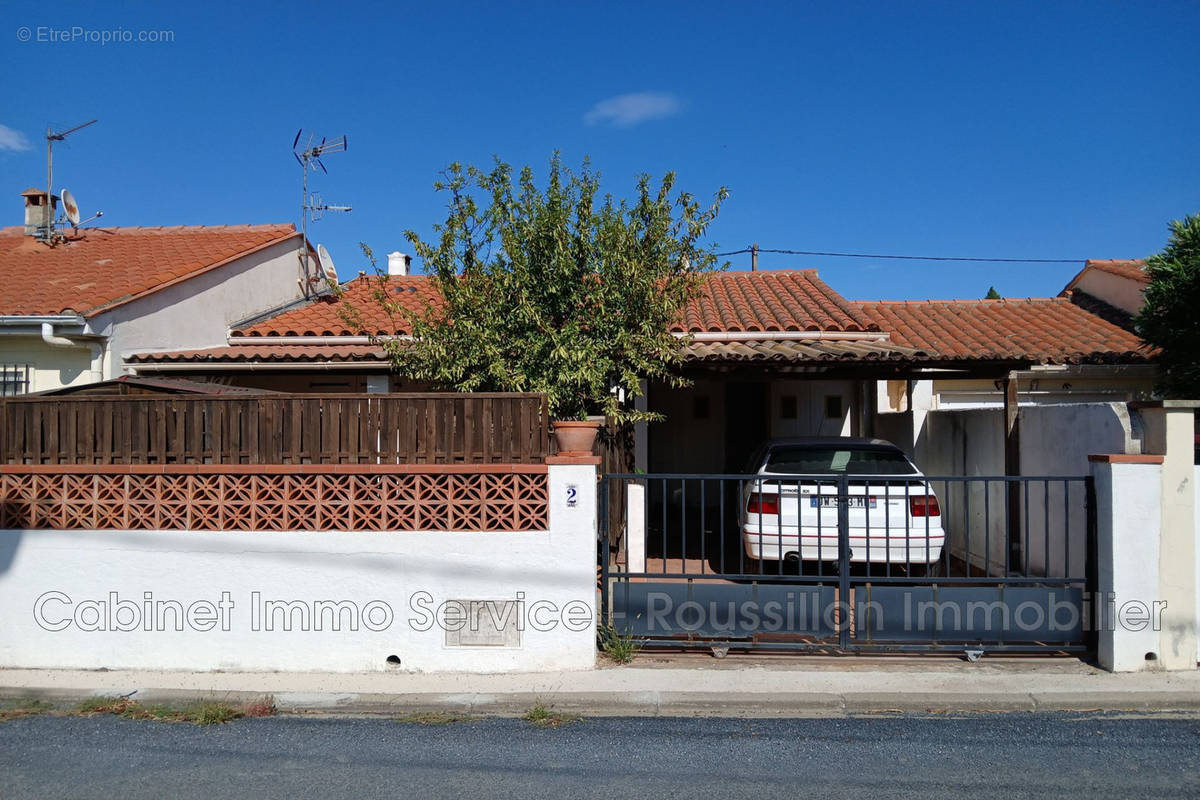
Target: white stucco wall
(50, 367)
(197, 312)
(1123, 293)
(1055, 440)
(552, 574)
(1128, 524)
(810, 419)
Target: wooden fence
(272, 429)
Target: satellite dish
(70, 208)
(326, 263)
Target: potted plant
(576, 437)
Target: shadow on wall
(9, 541)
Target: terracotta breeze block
(274, 499)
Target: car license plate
(831, 501)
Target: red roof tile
(322, 318)
(103, 267)
(1042, 330)
(774, 300)
(793, 300)
(265, 353)
(1133, 268)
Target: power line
(908, 258)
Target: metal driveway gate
(860, 570)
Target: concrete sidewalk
(683, 686)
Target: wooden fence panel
(295, 429)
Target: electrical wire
(908, 258)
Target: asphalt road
(979, 756)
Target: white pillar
(635, 526)
(573, 537)
(1128, 525)
(1170, 432)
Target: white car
(894, 515)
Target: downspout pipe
(95, 369)
(55, 341)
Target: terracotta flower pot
(575, 437)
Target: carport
(1012, 538)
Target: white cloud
(12, 140)
(627, 110)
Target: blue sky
(1039, 130)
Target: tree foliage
(1170, 317)
(556, 289)
(992, 294)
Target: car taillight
(924, 506)
(763, 504)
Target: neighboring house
(772, 353)
(1074, 356)
(1116, 285)
(127, 385)
(72, 310)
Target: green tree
(992, 294)
(1169, 318)
(555, 289)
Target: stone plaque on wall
(486, 623)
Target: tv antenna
(312, 207)
(47, 231)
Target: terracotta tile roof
(103, 267)
(753, 350)
(152, 384)
(1040, 330)
(749, 302)
(267, 353)
(1133, 268)
(797, 350)
(322, 318)
(773, 300)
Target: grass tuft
(263, 707)
(23, 707)
(541, 716)
(206, 712)
(618, 647)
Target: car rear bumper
(874, 547)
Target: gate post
(575, 527)
(1128, 532)
(844, 607)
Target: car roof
(829, 441)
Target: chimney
(398, 263)
(35, 211)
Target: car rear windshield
(833, 460)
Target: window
(14, 379)
(833, 406)
(834, 459)
(787, 406)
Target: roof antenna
(312, 208)
(46, 232)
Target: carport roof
(803, 350)
(1050, 330)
